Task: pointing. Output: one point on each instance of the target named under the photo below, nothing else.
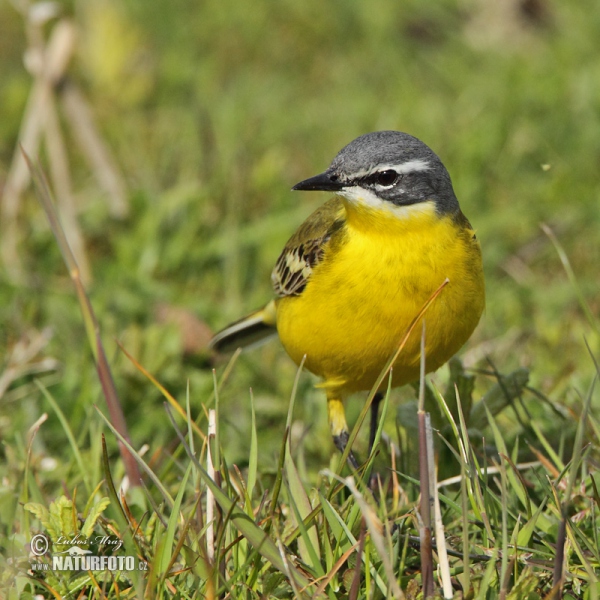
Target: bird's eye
(386, 178)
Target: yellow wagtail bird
(360, 268)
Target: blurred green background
(212, 112)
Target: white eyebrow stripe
(409, 166)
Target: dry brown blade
(545, 462)
(324, 582)
(354, 588)
(162, 389)
(425, 512)
(78, 114)
(438, 525)
(57, 55)
(384, 373)
(61, 182)
(91, 324)
(424, 477)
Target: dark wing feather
(306, 249)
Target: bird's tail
(249, 331)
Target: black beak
(323, 182)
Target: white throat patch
(359, 195)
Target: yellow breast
(377, 273)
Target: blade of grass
(83, 470)
(331, 572)
(527, 531)
(210, 499)
(384, 409)
(464, 496)
(56, 56)
(89, 318)
(591, 575)
(559, 566)
(250, 530)
(514, 478)
(490, 571)
(505, 550)
(476, 494)
(253, 456)
(560, 465)
(308, 545)
(508, 388)
(127, 532)
(284, 442)
(340, 531)
(473, 469)
(161, 389)
(440, 536)
(343, 534)
(354, 588)
(564, 259)
(426, 549)
(166, 558)
(374, 527)
(298, 496)
(215, 442)
(384, 373)
(139, 459)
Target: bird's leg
(377, 398)
(339, 427)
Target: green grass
(272, 537)
(213, 112)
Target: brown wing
(306, 249)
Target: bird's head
(387, 170)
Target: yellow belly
(353, 313)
